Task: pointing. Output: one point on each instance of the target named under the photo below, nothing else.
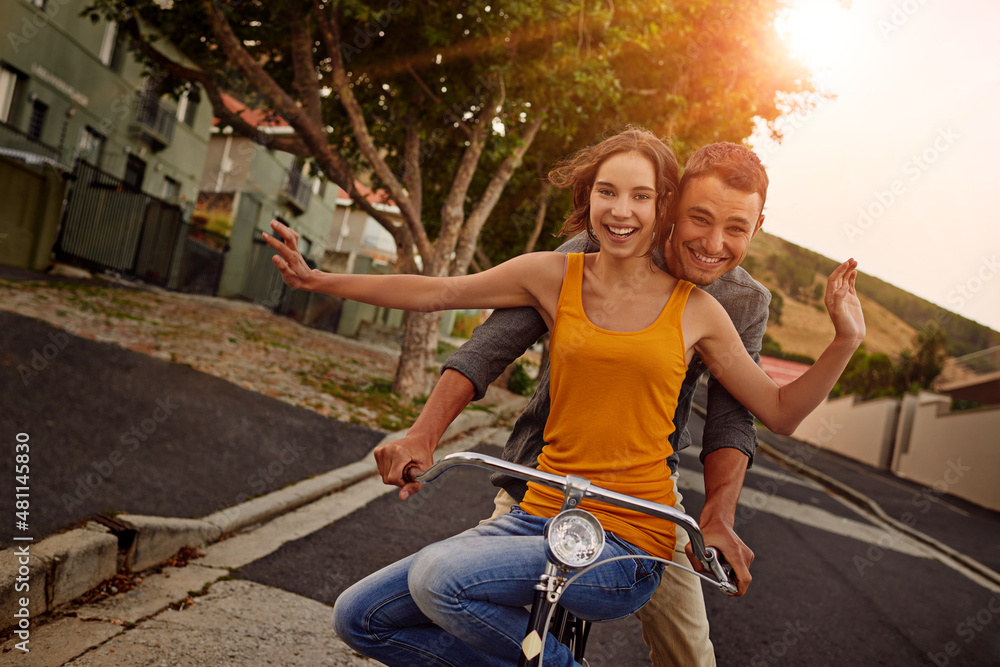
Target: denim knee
(349, 617)
(428, 580)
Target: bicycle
(574, 540)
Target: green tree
(438, 103)
(875, 375)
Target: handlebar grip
(410, 473)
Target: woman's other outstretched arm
(527, 280)
(782, 409)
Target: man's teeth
(622, 232)
(707, 260)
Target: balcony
(155, 123)
(297, 191)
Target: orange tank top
(613, 395)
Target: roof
(376, 197)
(256, 117)
(781, 371)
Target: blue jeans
(461, 601)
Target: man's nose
(713, 241)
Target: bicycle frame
(557, 575)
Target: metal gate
(262, 282)
(108, 225)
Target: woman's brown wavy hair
(579, 172)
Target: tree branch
(541, 208)
(330, 32)
(474, 222)
(306, 82)
(453, 209)
(412, 176)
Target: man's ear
(760, 223)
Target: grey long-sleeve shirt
(507, 333)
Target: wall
(918, 438)
(58, 52)
(863, 431)
(953, 452)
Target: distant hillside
(893, 316)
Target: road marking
(784, 508)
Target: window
(305, 245)
(319, 187)
(111, 48)
(187, 106)
(8, 94)
(37, 122)
(135, 172)
(90, 146)
(171, 190)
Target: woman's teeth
(622, 232)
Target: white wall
(954, 452)
(863, 431)
(918, 438)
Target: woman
(623, 332)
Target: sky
(901, 170)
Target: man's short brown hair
(737, 166)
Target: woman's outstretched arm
(526, 280)
(783, 409)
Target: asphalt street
(112, 430)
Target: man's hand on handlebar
(394, 458)
(727, 542)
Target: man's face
(713, 230)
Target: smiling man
(722, 194)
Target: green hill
(797, 278)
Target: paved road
(114, 430)
(830, 587)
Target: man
(722, 194)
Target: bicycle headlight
(574, 538)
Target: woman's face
(623, 204)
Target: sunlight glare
(818, 33)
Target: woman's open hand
(843, 304)
(294, 270)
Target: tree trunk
(415, 374)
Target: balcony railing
(297, 191)
(155, 122)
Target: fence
(203, 261)
(262, 283)
(108, 225)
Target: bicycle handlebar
(706, 555)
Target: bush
(521, 381)
(464, 324)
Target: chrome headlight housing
(574, 538)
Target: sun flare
(818, 33)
